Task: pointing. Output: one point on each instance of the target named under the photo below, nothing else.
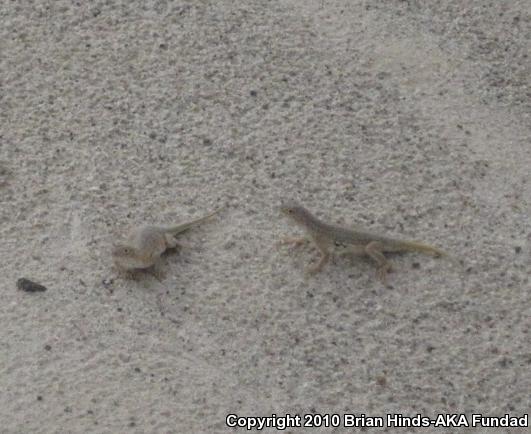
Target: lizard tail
(412, 246)
(174, 230)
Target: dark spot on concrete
(381, 380)
(504, 362)
(29, 286)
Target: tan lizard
(349, 241)
(146, 244)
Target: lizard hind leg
(325, 257)
(323, 260)
(375, 250)
(172, 243)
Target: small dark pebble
(504, 362)
(381, 380)
(39, 398)
(253, 93)
(29, 286)
(48, 347)
(416, 265)
(207, 142)
(517, 249)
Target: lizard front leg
(375, 250)
(155, 272)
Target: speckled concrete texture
(408, 117)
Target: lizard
(146, 244)
(352, 241)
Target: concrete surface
(408, 117)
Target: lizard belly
(350, 249)
(133, 262)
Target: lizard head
(122, 250)
(295, 211)
(126, 257)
